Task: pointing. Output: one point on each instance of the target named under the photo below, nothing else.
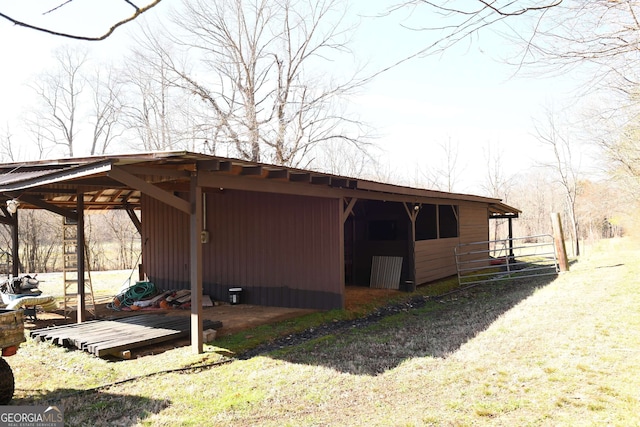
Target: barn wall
(282, 250)
(165, 244)
(474, 223)
(435, 259)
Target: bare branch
(138, 11)
(255, 74)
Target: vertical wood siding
(282, 250)
(435, 259)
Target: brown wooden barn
(287, 237)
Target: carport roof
(117, 181)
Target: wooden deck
(112, 337)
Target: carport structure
(288, 237)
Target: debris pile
(145, 296)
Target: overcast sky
(466, 95)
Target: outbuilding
(285, 236)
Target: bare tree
(444, 174)
(346, 160)
(39, 240)
(126, 236)
(106, 109)
(259, 75)
(38, 132)
(7, 149)
(600, 210)
(458, 20)
(59, 93)
(64, 4)
(496, 184)
(553, 34)
(566, 168)
(616, 132)
(537, 193)
(153, 103)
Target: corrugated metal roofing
(19, 175)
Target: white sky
(463, 95)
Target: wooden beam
(349, 209)
(216, 180)
(208, 165)
(278, 174)
(299, 177)
(7, 218)
(321, 180)
(407, 192)
(149, 189)
(340, 260)
(339, 182)
(412, 212)
(134, 219)
(15, 246)
(195, 268)
(151, 171)
(251, 170)
(80, 243)
(35, 201)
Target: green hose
(137, 292)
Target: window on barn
(427, 223)
(383, 230)
(448, 221)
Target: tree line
(113, 243)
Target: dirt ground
(234, 318)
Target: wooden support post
(558, 238)
(15, 248)
(510, 238)
(348, 208)
(81, 297)
(195, 252)
(412, 210)
(341, 254)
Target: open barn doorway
(377, 239)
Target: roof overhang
(117, 182)
(500, 210)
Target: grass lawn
(527, 353)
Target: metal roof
(117, 181)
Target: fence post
(558, 238)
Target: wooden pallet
(112, 337)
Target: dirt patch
(234, 318)
(240, 317)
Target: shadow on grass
(420, 327)
(95, 407)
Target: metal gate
(495, 260)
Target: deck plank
(106, 337)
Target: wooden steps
(113, 337)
